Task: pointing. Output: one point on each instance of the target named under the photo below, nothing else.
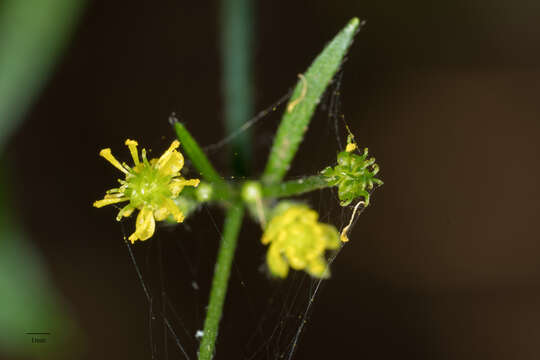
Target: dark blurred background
(443, 265)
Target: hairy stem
(295, 187)
(233, 221)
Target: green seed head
(354, 175)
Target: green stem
(233, 221)
(295, 187)
(197, 156)
(236, 53)
(222, 191)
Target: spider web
(263, 318)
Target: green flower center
(147, 186)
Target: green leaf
(295, 121)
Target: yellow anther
(132, 145)
(106, 153)
(351, 147)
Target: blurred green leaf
(28, 301)
(236, 33)
(33, 34)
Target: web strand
(261, 115)
(281, 320)
(150, 301)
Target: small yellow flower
(149, 186)
(297, 240)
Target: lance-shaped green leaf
(303, 102)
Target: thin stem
(233, 221)
(236, 54)
(295, 187)
(222, 191)
(196, 155)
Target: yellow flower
(149, 186)
(297, 240)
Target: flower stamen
(106, 153)
(109, 201)
(145, 160)
(132, 145)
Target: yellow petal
(296, 260)
(132, 145)
(133, 237)
(109, 201)
(174, 210)
(125, 212)
(144, 226)
(172, 165)
(168, 153)
(331, 236)
(161, 214)
(176, 185)
(191, 182)
(106, 153)
(276, 264)
(318, 268)
(265, 239)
